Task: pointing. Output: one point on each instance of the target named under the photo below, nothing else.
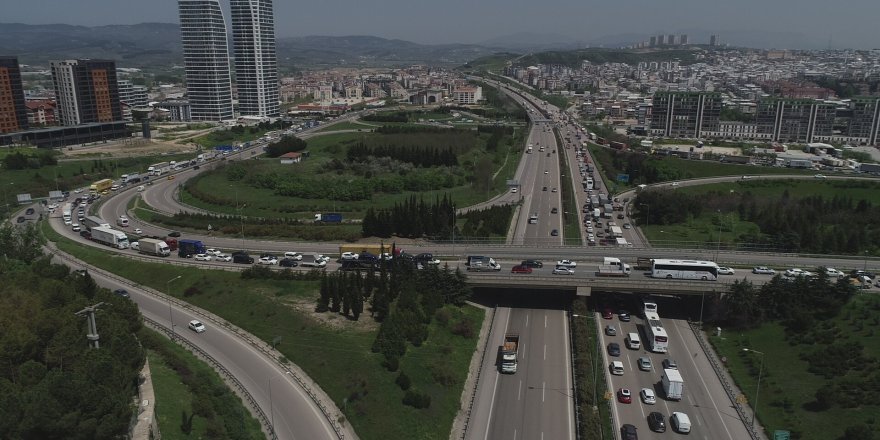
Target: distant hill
(151, 44)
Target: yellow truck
(101, 185)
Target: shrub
(417, 399)
(464, 328)
(403, 381)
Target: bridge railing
(731, 390)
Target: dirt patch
(333, 320)
(128, 148)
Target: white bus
(649, 306)
(658, 340)
(685, 270)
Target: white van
(617, 368)
(122, 221)
(140, 188)
(633, 341)
(680, 422)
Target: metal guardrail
(241, 334)
(470, 408)
(719, 371)
(574, 386)
(240, 389)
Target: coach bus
(685, 270)
(658, 340)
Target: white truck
(613, 267)
(482, 264)
(66, 214)
(312, 260)
(673, 384)
(152, 246)
(508, 353)
(110, 237)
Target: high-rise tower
(13, 113)
(256, 67)
(86, 91)
(206, 56)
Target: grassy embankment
(334, 351)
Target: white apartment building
(206, 59)
(467, 94)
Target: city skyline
(811, 24)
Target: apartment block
(685, 114)
(206, 59)
(86, 91)
(256, 65)
(864, 124)
(794, 120)
(467, 94)
(13, 112)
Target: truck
(533, 219)
(101, 185)
(597, 214)
(673, 384)
(333, 217)
(613, 267)
(644, 263)
(94, 221)
(529, 149)
(616, 231)
(482, 264)
(152, 246)
(66, 213)
(158, 169)
(186, 248)
(508, 353)
(800, 163)
(312, 260)
(131, 178)
(110, 237)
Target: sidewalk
(146, 427)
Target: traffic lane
(534, 375)
(556, 418)
(506, 420)
(485, 396)
(244, 362)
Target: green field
(225, 194)
(365, 126)
(788, 390)
(333, 350)
(230, 137)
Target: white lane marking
(494, 394)
(514, 433)
(568, 384)
(545, 352)
(545, 320)
(705, 387)
(543, 390)
(519, 392)
(527, 319)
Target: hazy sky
(847, 23)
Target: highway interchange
(535, 402)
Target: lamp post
(718, 249)
(758, 390)
(170, 315)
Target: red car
(521, 269)
(624, 396)
(608, 314)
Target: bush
(464, 328)
(417, 399)
(403, 381)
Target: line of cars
(657, 422)
(563, 267)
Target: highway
(256, 371)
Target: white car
(648, 396)
(819, 176)
(138, 231)
(513, 190)
(75, 227)
(386, 256)
(214, 252)
(78, 190)
(566, 263)
(794, 272)
(560, 270)
(293, 256)
(763, 270)
(323, 258)
(349, 256)
(722, 270)
(268, 260)
(546, 172)
(202, 257)
(834, 273)
(197, 326)
(223, 257)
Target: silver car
(561, 270)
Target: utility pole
(92, 335)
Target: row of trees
(20, 161)
(412, 218)
(419, 156)
(287, 144)
(489, 222)
(666, 207)
(387, 117)
(52, 385)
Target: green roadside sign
(781, 435)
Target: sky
(777, 23)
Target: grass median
(570, 224)
(331, 349)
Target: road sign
(623, 178)
(781, 435)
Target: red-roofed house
(292, 157)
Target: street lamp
(718, 249)
(170, 315)
(758, 390)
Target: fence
(728, 387)
(470, 408)
(241, 334)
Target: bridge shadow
(526, 298)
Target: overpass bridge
(586, 285)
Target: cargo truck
(613, 267)
(93, 221)
(333, 217)
(312, 260)
(186, 248)
(152, 246)
(673, 384)
(110, 237)
(482, 264)
(508, 353)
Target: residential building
(795, 120)
(685, 114)
(13, 112)
(40, 112)
(865, 122)
(256, 66)
(177, 110)
(86, 91)
(467, 94)
(206, 59)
